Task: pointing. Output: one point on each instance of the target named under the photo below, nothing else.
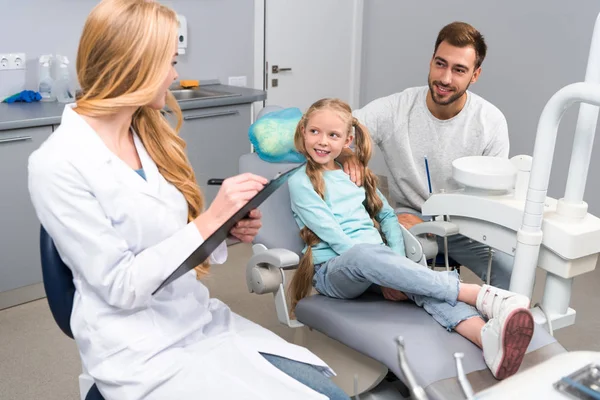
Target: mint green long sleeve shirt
(341, 220)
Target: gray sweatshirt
(406, 131)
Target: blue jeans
(307, 375)
(351, 274)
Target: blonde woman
(113, 187)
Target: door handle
(15, 139)
(275, 69)
(209, 115)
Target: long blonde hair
(302, 281)
(124, 54)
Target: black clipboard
(213, 241)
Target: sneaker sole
(516, 337)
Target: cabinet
(216, 138)
(19, 227)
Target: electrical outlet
(18, 61)
(4, 61)
(12, 61)
(237, 81)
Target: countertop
(26, 115)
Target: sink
(200, 93)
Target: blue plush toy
(272, 136)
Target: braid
(373, 202)
(302, 281)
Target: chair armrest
(265, 274)
(414, 247)
(279, 258)
(438, 228)
(429, 246)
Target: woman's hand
(247, 229)
(234, 193)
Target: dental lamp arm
(529, 236)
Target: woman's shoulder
(57, 155)
(48, 154)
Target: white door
(311, 49)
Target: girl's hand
(393, 294)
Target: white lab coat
(122, 236)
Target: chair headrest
(267, 109)
(279, 229)
(58, 283)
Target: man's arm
(378, 117)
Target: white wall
(220, 34)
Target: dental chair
(58, 283)
(369, 325)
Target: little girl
(353, 241)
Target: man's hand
(246, 229)
(409, 220)
(393, 294)
(351, 166)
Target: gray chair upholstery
(370, 324)
(279, 229)
(267, 109)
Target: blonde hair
(302, 281)
(124, 53)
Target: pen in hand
(219, 182)
(215, 181)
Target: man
(442, 121)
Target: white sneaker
(505, 340)
(493, 302)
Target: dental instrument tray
(213, 241)
(581, 384)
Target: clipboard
(213, 241)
